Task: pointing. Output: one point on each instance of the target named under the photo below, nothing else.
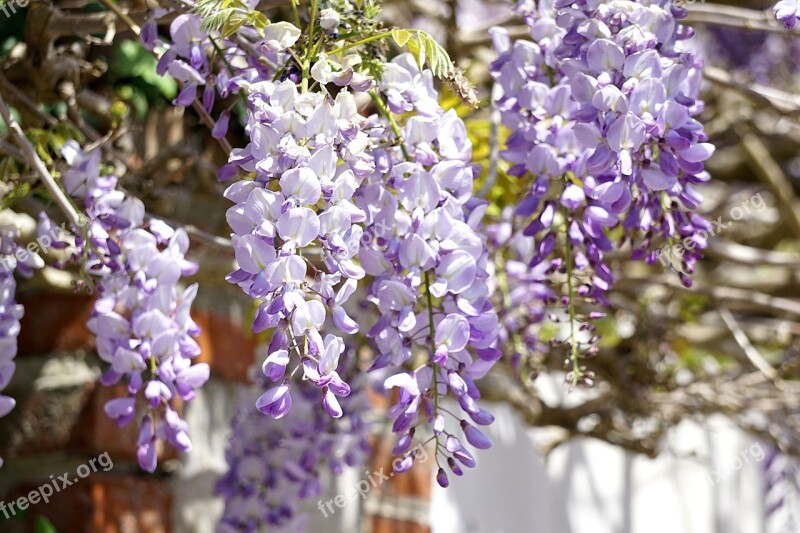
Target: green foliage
(426, 50)
(16, 193)
(371, 9)
(43, 525)
(132, 60)
(46, 142)
(228, 16)
(373, 67)
(506, 189)
(132, 71)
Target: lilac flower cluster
(600, 106)
(218, 68)
(141, 318)
(307, 156)
(223, 68)
(524, 287)
(186, 60)
(13, 258)
(429, 267)
(275, 464)
(318, 174)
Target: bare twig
(744, 343)
(32, 159)
(781, 101)
(197, 234)
(209, 122)
(112, 6)
(494, 150)
(754, 299)
(198, 107)
(11, 151)
(739, 253)
(22, 99)
(771, 173)
(733, 17)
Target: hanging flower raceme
(211, 70)
(600, 106)
(524, 289)
(274, 464)
(141, 317)
(428, 262)
(13, 259)
(295, 229)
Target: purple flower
(121, 410)
(331, 404)
(786, 12)
(221, 126)
(602, 135)
(276, 402)
(452, 335)
(138, 267)
(274, 366)
(442, 479)
(425, 254)
(475, 436)
(13, 259)
(286, 458)
(404, 464)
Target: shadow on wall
(590, 486)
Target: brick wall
(59, 424)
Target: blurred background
(681, 434)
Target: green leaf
(426, 51)
(401, 37)
(228, 16)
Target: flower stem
(392, 122)
(221, 55)
(365, 40)
(296, 14)
(570, 303)
(309, 47)
(432, 330)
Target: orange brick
(96, 433)
(227, 349)
(416, 482)
(387, 525)
(42, 423)
(101, 503)
(54, 322)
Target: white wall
(583, 487)
(589, 486)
